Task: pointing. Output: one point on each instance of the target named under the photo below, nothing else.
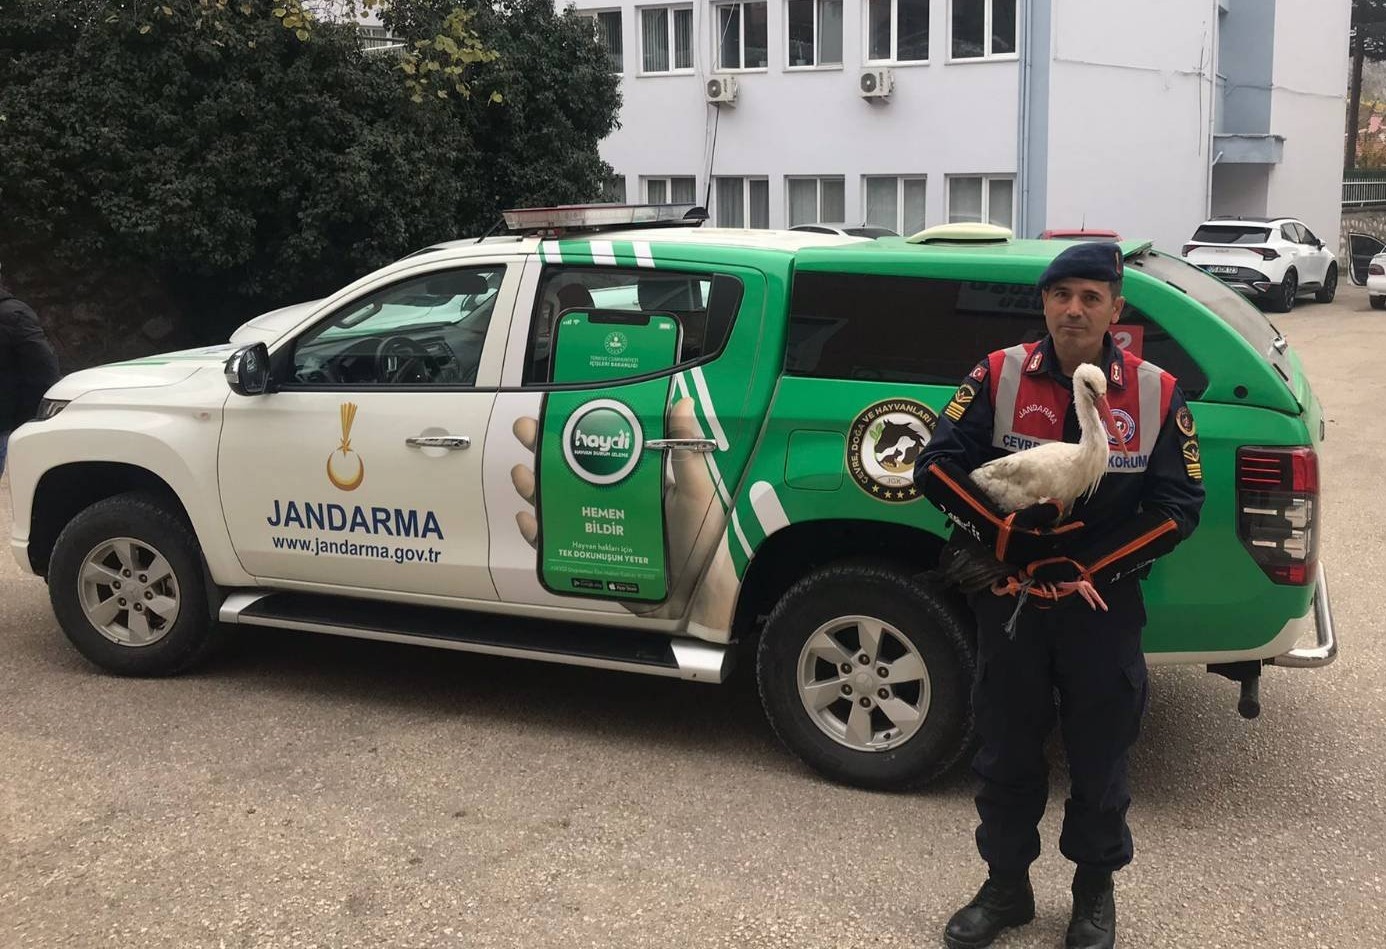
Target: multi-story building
(1137, 116)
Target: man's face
(1078, 312)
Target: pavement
(310, 791)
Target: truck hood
(150, 371)
(268, 327)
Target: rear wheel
(126, 584)
(865, 673)
(1329, 289)
(1283, 301)
(1378, 303)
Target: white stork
(1055, 471)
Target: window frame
(674, 69)
(894, 59)
(818, 181)
(668, 187)
(817, 36)
(717, 7)
(899, 225)
(745, 199)
(986, 180)
(987, 56)
(594, 14)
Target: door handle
(450, 442)
(682, 444)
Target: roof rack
(589, 218)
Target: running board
(466, 631)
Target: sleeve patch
(979, 373)
(962, 399)
(1193, 463)
(1184, 420)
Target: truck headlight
(47, 408)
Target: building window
(742, 202)
(816, 200)
(683, 190)
(815, 32)
(666, 39)
(896, 203)
(608, 26)
(976, 199)
(897, 31)
(742, 36)
(614, 190)
(983, 28)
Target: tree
(241, 155)
(1367, 40)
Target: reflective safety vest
(1030, 404)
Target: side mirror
(247, 370)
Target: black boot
(1000, 903)
(1093, 924)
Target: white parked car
(1271, 260)
(1376, 282)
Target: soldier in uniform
(1148, 501)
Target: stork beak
(1109, 420)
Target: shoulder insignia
(1184, 420)
(979, 373)
(962, 399)
(1193, 463)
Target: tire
(1284, 300)
(1378, 303)
(112, 540)
(1329, 290)
(917, 622)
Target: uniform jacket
(28, 365)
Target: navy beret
(1087, 260)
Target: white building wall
(1130, 122)
(1308, 102)
(943, 119)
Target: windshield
(1231, 234)
(1233, 308)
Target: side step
(520, 638)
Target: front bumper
(1325, 648)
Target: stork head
(1090, 385)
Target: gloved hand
(1042, 516)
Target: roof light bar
(591, 217)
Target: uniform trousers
(1093, 660)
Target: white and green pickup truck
(645, 448)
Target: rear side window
(932, 332)
(1231, 234)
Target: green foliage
(244, 154)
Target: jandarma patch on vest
(957, 405)
(1184, 419)
(1192, 460)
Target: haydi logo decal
(345, 469)
(602, 441)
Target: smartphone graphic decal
(600, 489)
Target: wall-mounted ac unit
(721, 90)
(876, 84)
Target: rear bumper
(1325, 648)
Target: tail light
(1184, 252)
(1267, 253)
(1376, 270)
(1277, 511)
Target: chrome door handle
(682, 444)
(450, 442)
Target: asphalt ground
(311, 791)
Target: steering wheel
(399, 359)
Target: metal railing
(1364, 192)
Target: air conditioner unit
(876, 84)
(721, 90)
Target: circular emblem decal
(1126, 427)
(615, 343)
(1184, 419)
(602, 441)
(883, 444)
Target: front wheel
(865, 673)
(1329, 289)
(126, 585)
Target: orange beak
(1113, 430)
